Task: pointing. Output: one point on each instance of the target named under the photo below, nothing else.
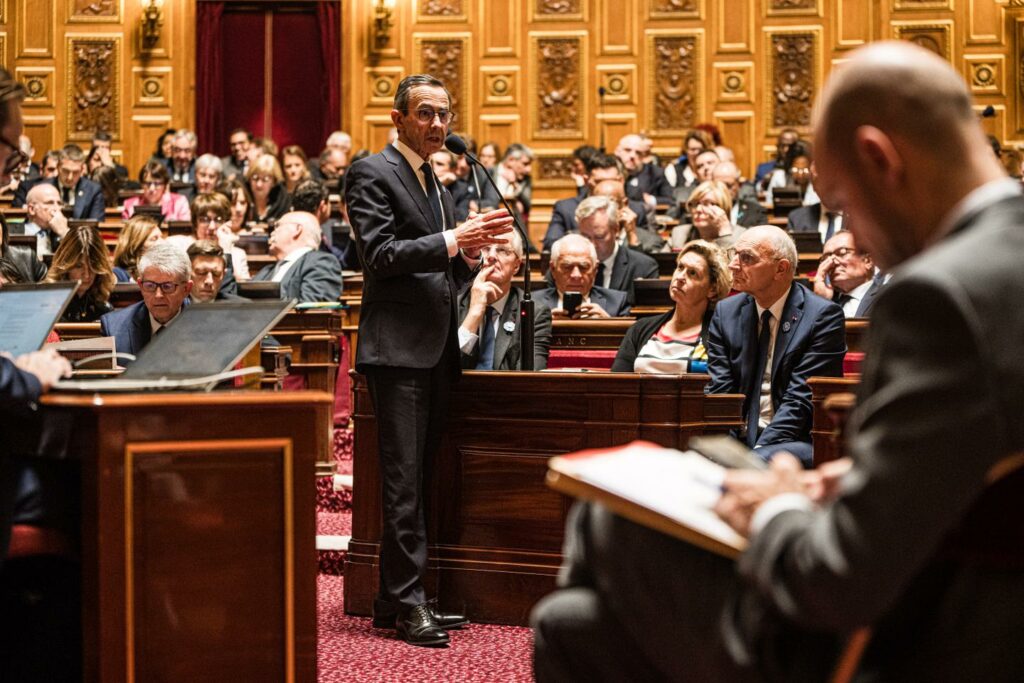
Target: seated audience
(208, 269)
(513, 177)
(266, 185)
(709, 207)
(746, 210)
(211, 220)
(10, 272)
(563, 215)
(644, 182)
(471, 190)
(704, 165)
(162, 153)
(683, 171)
(846, 275)
(83, 195)
(110, 184)
(82, 256)
(23, 259)
(238, 194)
(100, 154)
(573, 269)
(617, 268)
(795, 173)
(209, 174)
(304, 272)
(676, 342)
(630, 232)
(581, 156)
(490, 152)
(182, 164)
(44, 219)
(156, 192)
(293, 163)
(816, 218)
(805, 331)
(237, 163)
(330, 165)
(782, 144)
(490, 333)
(165, 279)
(138, 233)
(311, 197)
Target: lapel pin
(509, 326)
(786, 326)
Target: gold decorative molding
(734, 81)
(793, 70)
(382, 84)
(500, 85)
(557, 10)
(619, 83)
(95, 11)
(491, 13)
(675, 81)
(552, 167)
(936, 36)
(556, 84)
(38, 82)
(911, 5)
(986, 74)
(446, 56)
(441, 10)
(798, 8)
(151, 86)
(94, 72)
(675, 9)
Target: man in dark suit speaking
(916, 534)
(415, 261)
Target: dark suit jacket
(410, 285)
(32, 269)
(563, 219)
(88, 197)
(507, 345)
(805, 218)
(316, 276)
(649, 180)
(189, 176)
(811, 342)
(939, 405)
(751, 213)
(130, 328)
(612, 301)
(630, 265)
(464, 191)
(867, 302)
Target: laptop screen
(28, 312)
(206, 339)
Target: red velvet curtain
(209, 91)
(328, 16)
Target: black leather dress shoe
(383, 619)
(418, 627)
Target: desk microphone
(457, 145)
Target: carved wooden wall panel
(100, 11)
(35, 35)
(447, 58)
(735, 82)
(738, 128)
(500, 128)
(93, 101)
(556, 92)
(613, 127)
(500, 85)
(675, 67)
(934, 36)
(985, 23)
(986, 74)
(382, 84)
(552, 168)
(617, 21)
(42, 131)
(151, 86)
(854, 22)
(441, 10)
(802, 8)
(734, 28)
(39, 85)
(619, 83)
(792, 82)
(921, 4)
(674, 9)
(558, 10)
(501, 21)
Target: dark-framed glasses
(841, 252)
(165, 287)
(16, 159)
(426, 115)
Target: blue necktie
(754, 391)
(435, 203)
(487, 342)
(831, 229)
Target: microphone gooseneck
(457, 145)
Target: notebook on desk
(204, 341)
(28, 313)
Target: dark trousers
(411, 407)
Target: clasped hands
(482, 230)
(745, 490)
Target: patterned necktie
(754, 391)
(486, 361)
(432, 194)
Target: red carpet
(353, 651)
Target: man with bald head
(746, 210)
(304, 272)
(644, 182)
(846, 275)
(44, 218)
(910, 535)
(633, 232)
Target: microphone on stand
(457, 145)
(600, 114)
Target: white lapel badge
(509, 326)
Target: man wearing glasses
(81, 194)
(165, 280)
(183, 157)
(573, 270)
(415, 260)
(846, 275)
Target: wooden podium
(198, 533)
(495, 528)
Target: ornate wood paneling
(854, 21)
(734, 82)
(802, 8)
(738, 128)
(41, 130)
(501, 22)
(500, 128)
(925, 5)
(93, 101)
(617, 22)
(500, 85)
(441, 10)
(39, 84)
(35, 36)
(382, 84)
(100, 11)
(792, 67)
(933, 35)
(985, 23)
(447, 58)
(734, 27)
(558, 10)
(556, 88)
(612, 127)
(986, 74)
(674, 9)
(619, 83)
(375, 130)
(552, 167)
(151, 86)
(675, 68)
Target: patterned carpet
(351, 650)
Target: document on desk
(661, 488)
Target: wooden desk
(495, 529)
(823, 426)
(198, 533)
(589, 334)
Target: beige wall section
(85, 67)
(525, 70)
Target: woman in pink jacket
(155, 180)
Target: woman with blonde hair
(266, 183)
(675, 343)
(137, 233)
(709, 206)
(82, 256)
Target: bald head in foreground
(305, 272)
(909, 536)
